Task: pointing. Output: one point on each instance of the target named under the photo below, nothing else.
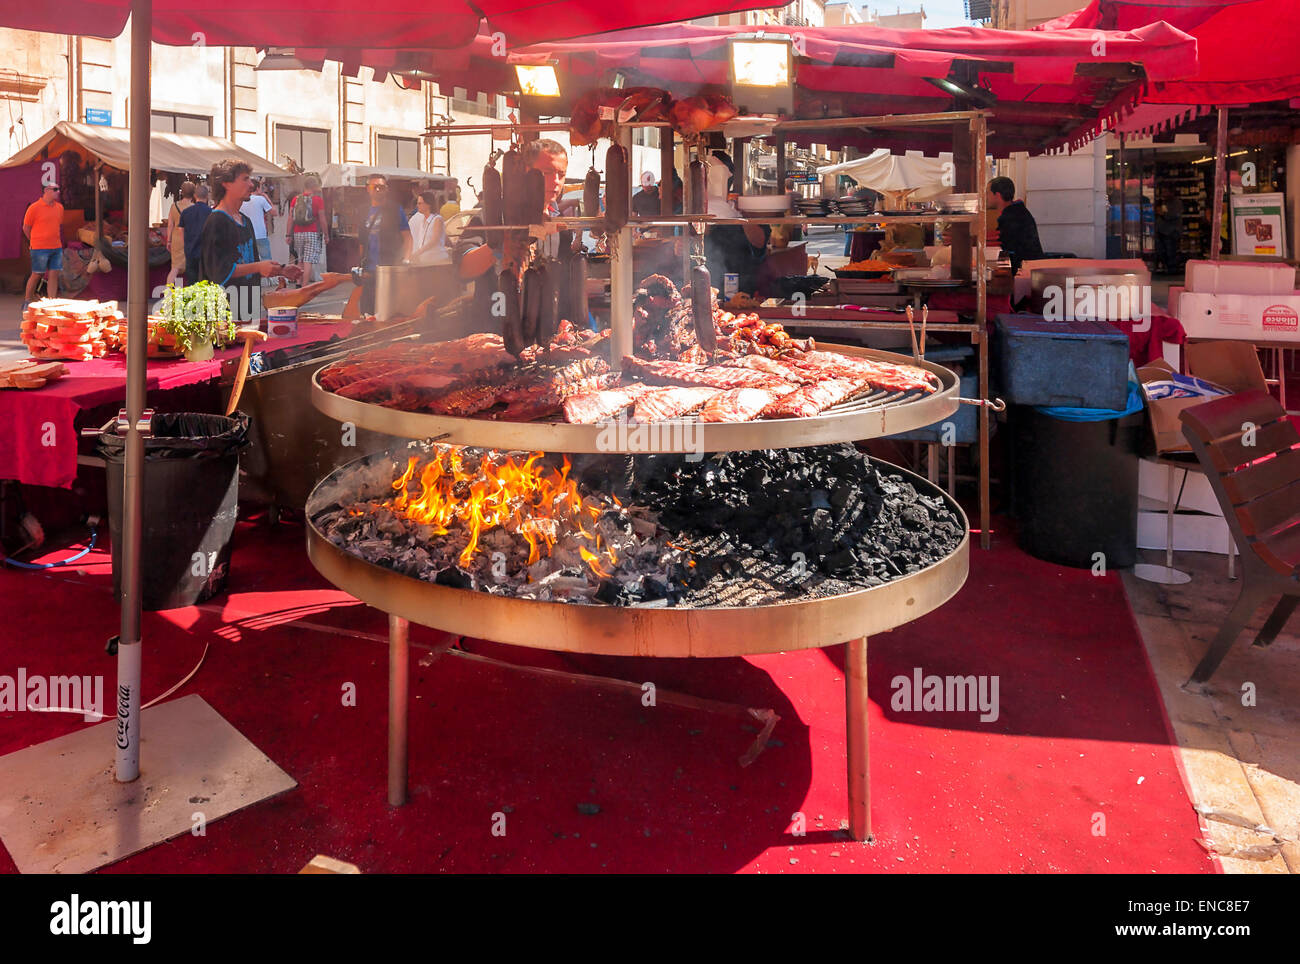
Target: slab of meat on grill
(711, 376)
(884, 375)
(786, 371)
(807, 401)
(592, 407)
(665, 403)
(740, 404)
(526, 408)
(539, 388)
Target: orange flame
(593, 560)
(535, 503)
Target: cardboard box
(1232, 364)
(1193, 531)
(1163, 412)
(1240, 278)
(1240, 317)
(1175, 292)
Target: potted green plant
(198, 315)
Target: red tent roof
(1051, 90)
(1247, 48)
(390, 23)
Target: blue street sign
(99, 116)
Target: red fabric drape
(1246, 48)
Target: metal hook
(994, 404)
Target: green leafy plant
(197, 314)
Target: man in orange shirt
(43, 225)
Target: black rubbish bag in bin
(1075, 486)
(191, 491)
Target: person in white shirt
(258, 211)
(428, 233)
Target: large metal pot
(400, 288)
(1089, 293)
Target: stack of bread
(73, 330)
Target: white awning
(355, 175)
(173, 153)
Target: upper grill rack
(874, 415)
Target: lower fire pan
(628, 631)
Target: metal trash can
(190, 503)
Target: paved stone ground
(1240, 758)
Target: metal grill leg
(399, 635)
(855, 692)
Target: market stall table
(38, 427)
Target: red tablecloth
(38, 434)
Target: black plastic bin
(1075, 487)
(191, 490)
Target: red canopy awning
(329, 23)
(1247, 49)
(1049, 90)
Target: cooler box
(1062, 364)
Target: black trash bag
(183, 435)
(190, 495)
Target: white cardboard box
(1193, 532)
(1240, 278)
(1243, 317)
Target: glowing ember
(541, 506)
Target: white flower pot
(200, 353)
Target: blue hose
(62, 562)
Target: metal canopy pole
(1220, 184)
(129, 645)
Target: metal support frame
(857, 733)
(129, 655)
(1220, 184)
(399, 693)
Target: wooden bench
(1250, 452)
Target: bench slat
(1227, 454)
(1281, 551)
(1224, 416)
(1278, 508)
(1261, 478)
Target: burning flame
(527, 499)
(593, 560)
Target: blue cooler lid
(1027, 325)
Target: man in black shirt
(192, 232)
(228, 250)
(1017, 230)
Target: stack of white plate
(764, 205)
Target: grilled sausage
(616, 187)
(534, 197)
(591, 194)
(512, 324)
(512, 187)
(699, 187)
(578, 313)
(531, 304)
(702, 309)
(548, 315)
(491, 196)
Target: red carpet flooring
(1081, 733)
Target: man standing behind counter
(385, 237)
(1017, 230)
(228, 247)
